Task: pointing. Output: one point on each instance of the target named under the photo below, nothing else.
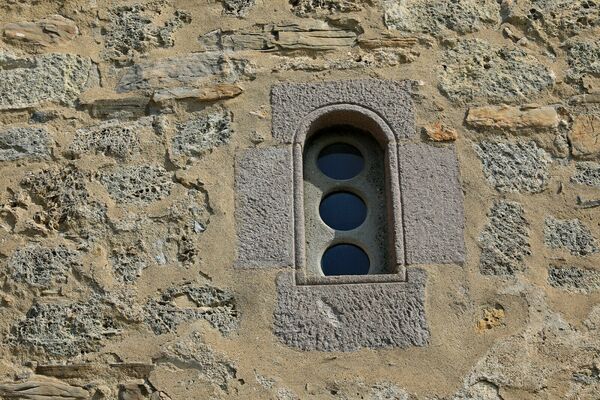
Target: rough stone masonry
(147, 240)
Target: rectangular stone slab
(433, 208)
(351, 317)
(264, 208)
(292, 102)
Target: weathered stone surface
(20, 143)
(588, 173)
(201, 133)
(137, 183)
(585, 136)
(259, 38)
(387, 41)
(112, 138)
(292, 102)
(574, 279)
(128, 262)
(306, 7)
(190, 352)
(264, 208)
(513, 119)
(583, 59)
(64, 197)
(214, 305)
(504, 241)
(571, 235)
(42, 388)
(211, 93)
(135, 390)
(311, 36)
(42, 266)
(586, 98)
(132, 29)
(559, 18)
(26, 82)
(120, 108)
(238, 8)
(54, 29)
(479, 391)
(432, 201)
(314, 38)
(351, 317)
(474, 70)
(440, 132)
(65, 329)
(434, 17)
(196, 69)
(514, 167)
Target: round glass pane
(343, 211)
(345, 259)
(340, 161)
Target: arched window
(347, 207)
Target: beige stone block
(585, 136)
(513, 119)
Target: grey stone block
(238, 8)
(131, 30)
(63, 194)
(588, 173)
(571, 235)
(202, 133)
(18, 143)
(112, 138)
(186, 70)
(558, 18)
(212, 304)
(583, 59)
(432, 200)
(437, 16)
(191, 352)
(65, 329)
(26, 82)
(128, 262)
(292, 102)
(351, 317)
(42, 266)
(514, 167)
(574, 279)
(137, 183)
(304, 8)
(504, 241)
(476, 71)
(264, 208)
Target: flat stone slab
(292, 102)
(433, 204)
(264, 208)
(351, 317)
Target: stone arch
(369, 121)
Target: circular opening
(343, 211)
(345, 259)
(340, 161)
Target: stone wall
(120, 124)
